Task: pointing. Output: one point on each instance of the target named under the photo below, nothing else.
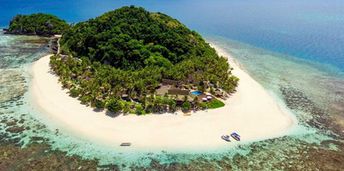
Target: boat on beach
(235, 136)
(226, 138)
(125, 144)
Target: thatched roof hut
(177, 91)
(169, 82)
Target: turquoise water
(300, 28)
(15, 107)
(293, 48)
(197, 93)
(321, 85)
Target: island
(37, 24)
(133, 61)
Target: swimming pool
(197, 93)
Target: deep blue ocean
(294, 48)
(312, 30)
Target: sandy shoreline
(251, 112)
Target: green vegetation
(114, 105)
(37, 24)
(213, 104)
(118, 60)
(186, 106)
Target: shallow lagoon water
(295, 52)
(29, 126)
(321, 85)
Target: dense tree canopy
(37, 24)
(132, 38)
(129, 51)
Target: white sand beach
(251, 112)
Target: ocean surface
(294, 48)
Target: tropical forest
(37, 24)
(131, 60)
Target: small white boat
(226, 138)
(126, 144)
(235, 136)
